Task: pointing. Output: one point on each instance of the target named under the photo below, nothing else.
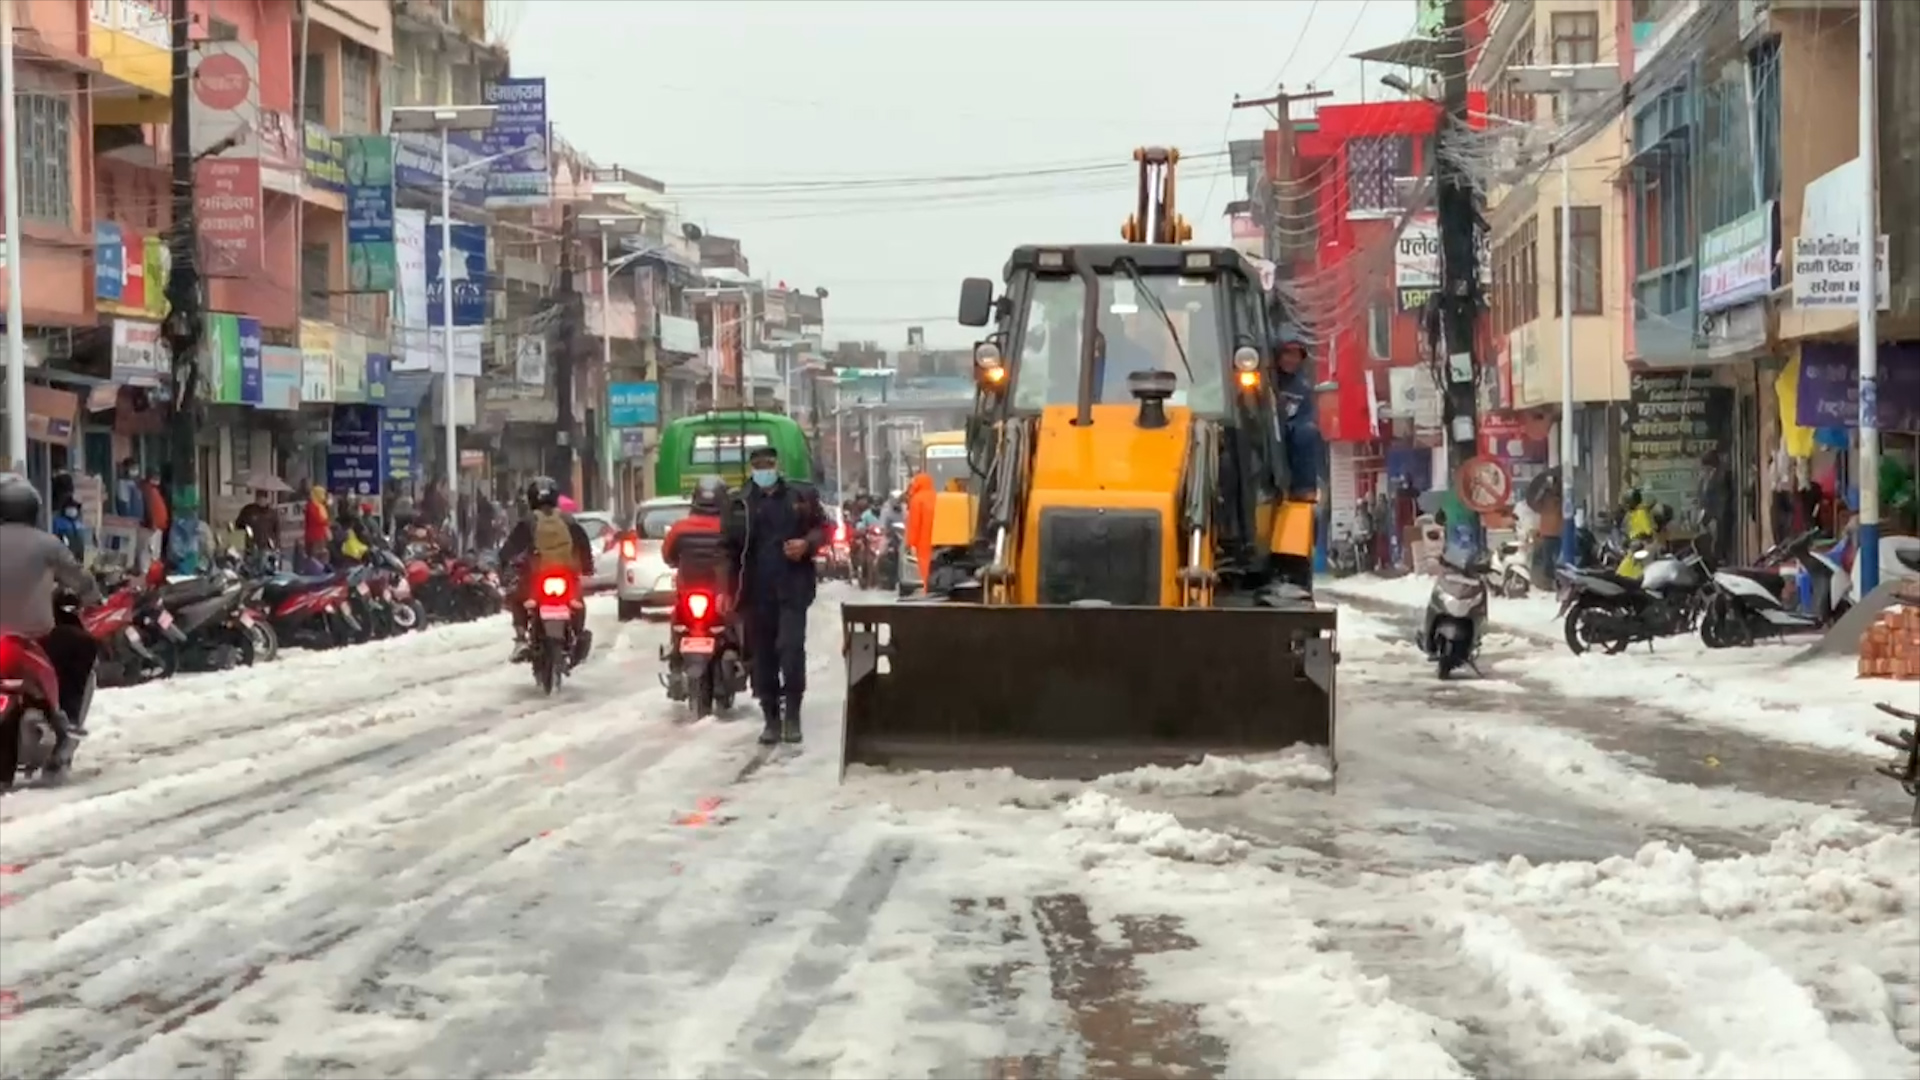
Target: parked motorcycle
(1749, 602)
(1456, 617)
(310, 612)
(1509, 568)
(1905, 766)
(1603, 609)
(125, 625)
(706, 666)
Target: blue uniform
(1300, 436)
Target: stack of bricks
(1890, 649)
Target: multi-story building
(1525, 207)
(1742, 137)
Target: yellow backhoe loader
(1111, 592)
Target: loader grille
(1090, 553)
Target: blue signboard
(520, 174)
(252, 378)
(353, 450)
(416, 165)
(469, 275)
(634, 404)
(377, 367)
(109, 261)
(399, 442)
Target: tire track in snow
(464, 841)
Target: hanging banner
(220, 358)
(371, 263)
(409, 321)
(520, 173)
(252, 389)
(316, 362)
(228, 215)
(279, 378)
(349, 367)
(467, 270)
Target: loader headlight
(1246, 358)
(991, 373)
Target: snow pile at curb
(1151, 831)
(1296, 767)
(1833, 867)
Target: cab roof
(1150, 258)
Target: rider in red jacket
(695, 546)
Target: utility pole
(16, 323)
(1281, 103)
(185, 319)
(1459, 256)
(568, 331)
(1869, 331)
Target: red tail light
(698, 605)
(554, 587)
(629, 547)
(840, 532)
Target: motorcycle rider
(773, 531)
(548, 540)
(695, 546)
(32, 563)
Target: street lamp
(609, 224)
(447, 119)
(1566, 82)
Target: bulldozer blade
(1059, 692)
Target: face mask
(765, 478)
(72, 511)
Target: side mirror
(976, 301)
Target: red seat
(24, 668)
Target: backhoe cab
(1107, 595)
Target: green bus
(718, 443)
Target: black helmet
(19, 500)
(1631, 500)
(1662, 514)
(543, 494)
(709, 495)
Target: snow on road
(1819, 702)
(400, 860)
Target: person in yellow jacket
(1645, 525)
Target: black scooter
(706, 666)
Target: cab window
(1133, 337)
(946, 464)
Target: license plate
(554, 611)
(697, 646)
(165, 620)
(246, 620)
(363, 590)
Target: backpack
(552, 539)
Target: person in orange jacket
(920, 502)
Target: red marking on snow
(7, 899)
(702, 811)
(9, 1004)
(544, 833)
(12, 868)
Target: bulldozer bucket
(1057, 692)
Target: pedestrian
(1715, 498)
(773, 531)
(317, 524)
(259, 524)
(66, 523)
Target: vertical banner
(221, 368)
(279, 378)
(520, 173)
(399, 442)
(467, 271)
(411, 340)
(316, 362)
(223, 114)
(371, 263)
(252, 385)
(349, 367)
(726, 342)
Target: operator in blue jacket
(1292, 535)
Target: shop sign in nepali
(1826, 272)
(399, 442)
(1736, 261)
(520, 174)
(1828, 393)
(280, 378)
(353, 450)
(371, 266)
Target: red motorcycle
(33, 735)
(311, 612)
(130, 626)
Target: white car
(605, 536)
(645, 583)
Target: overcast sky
(710, 96)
